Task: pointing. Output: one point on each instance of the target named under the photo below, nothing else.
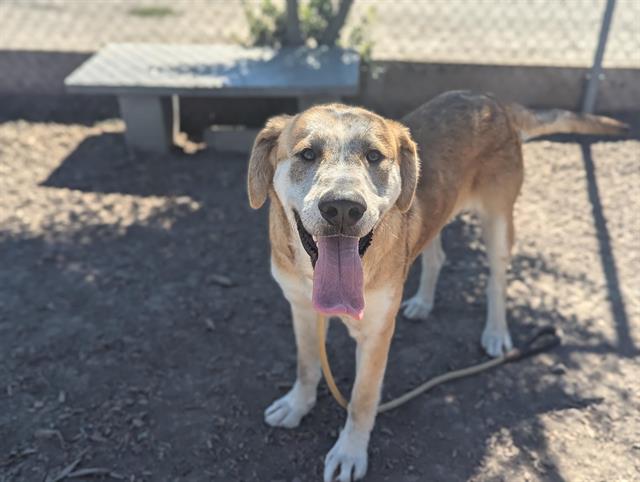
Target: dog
(355, 198)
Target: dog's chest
(297, 285)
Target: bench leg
(306, 101)
(149, 121)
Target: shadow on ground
(154, 348)
(67, 109)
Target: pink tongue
(338, 279)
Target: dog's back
(470, 153)
(470, 147)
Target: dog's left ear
(261, 162)
(409, 165)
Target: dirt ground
(141, 333)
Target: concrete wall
(390, 88)
(395, 88)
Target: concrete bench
(149, 78)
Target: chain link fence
(516, 32)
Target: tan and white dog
(354, 200)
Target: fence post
(596, 69)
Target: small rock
(209, 324)
(44, 433)
(96, 437)
(221, 280)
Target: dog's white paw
(416, 308)
(347, 460)
(288, 410)
(496, 342)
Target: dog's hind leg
(420, 305)
(498, 233)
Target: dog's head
(336, 170)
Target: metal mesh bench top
(216, 71)
(149, 79)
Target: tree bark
(332, 32)
(294, 37)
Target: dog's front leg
(348, 457)
(289, 410)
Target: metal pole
(596, 69)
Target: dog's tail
(534, 123)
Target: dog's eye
(374, 156)
(308, 154)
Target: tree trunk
(332, 32)
(293, 24)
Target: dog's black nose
(342, 212)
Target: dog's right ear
(262, 161)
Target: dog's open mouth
(311, 247)
(338, 277)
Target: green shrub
(268, 26)
(151, 11)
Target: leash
(544, 339)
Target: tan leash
(532, 346)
